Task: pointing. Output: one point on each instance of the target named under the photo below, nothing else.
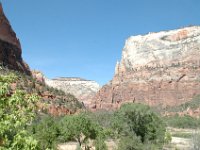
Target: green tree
(45, 129)
(16, 113)
(139, 120)
(101, 117)
(81, 129)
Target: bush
(168, 137)
(182, 121)
(130, 143)
(100, 144)
(46, 131)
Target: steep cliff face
(10, 48)
(81, 88)
(157, 69)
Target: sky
(85, 38)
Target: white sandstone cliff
(161, 49)
(81, 88)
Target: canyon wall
(156, 69)
(10, 48)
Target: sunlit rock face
(10, 48)
(80, 88)
(157, 69)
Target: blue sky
(84, 38)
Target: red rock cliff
(10, 48)
(157, 69)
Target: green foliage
(168, 137)
(138, 120)
(134, 126)
(46, 131)
(102, 117)
(57, 97)
(16, 113)
(80, 128)
(182, 121)
(130, 142)
(100, 143)
(50, 131)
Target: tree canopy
(16, 113)
(138, 120)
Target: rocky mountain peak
(6, 32)
(10, 48)
(160, 68)
(162, 48)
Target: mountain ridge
(156, 68)
(81, 88)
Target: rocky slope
(157, 69)
(10, 48)
(52, 101)
(81, 88)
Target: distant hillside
(52, 101)
(82, 89)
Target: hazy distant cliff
(158, 69)
(81, 88)
(10, 48)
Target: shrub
(16, 113)
(168, 137)
(132, 142)
(182, 121)
(46, 131)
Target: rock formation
(10, 48)
(157, 69)
(80, 88)
(38, 75)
